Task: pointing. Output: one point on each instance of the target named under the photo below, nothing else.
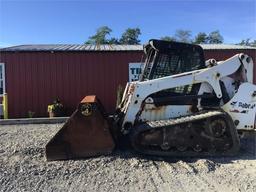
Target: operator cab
(166, 58)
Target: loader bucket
(85, 134)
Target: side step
(85, 134)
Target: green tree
(130, 36)
(113, 41)
(100, 36)
(245, 42)
(248, 42)
(215, 37)
(253, 43)
(201, 37)
(168, 38)
(183, 36)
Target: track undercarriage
(206, 133)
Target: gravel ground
(23, 167)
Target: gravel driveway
(23, 167)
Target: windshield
(171, 62)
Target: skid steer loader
(181, 106)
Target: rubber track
(186, 119)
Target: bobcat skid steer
(181, 106)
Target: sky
(72, 22)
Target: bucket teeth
(85, 134)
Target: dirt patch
(23, 167)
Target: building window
(2, 79)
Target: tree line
(131, 37)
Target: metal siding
(19, 93)
(35, 79)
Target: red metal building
(37, 74)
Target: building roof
(73, 47)
(87, 47)
(225, 46)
